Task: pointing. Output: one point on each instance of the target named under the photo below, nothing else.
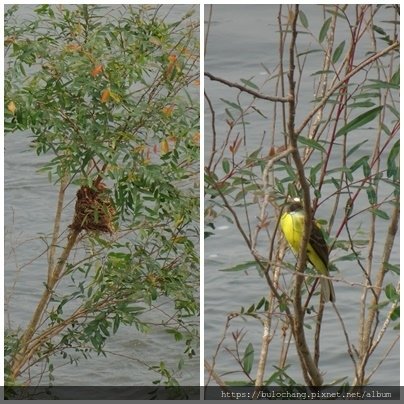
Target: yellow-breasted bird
(292, 225)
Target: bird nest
(94, 210)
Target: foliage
(340, 156)
(111, 97)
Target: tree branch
(247, 90)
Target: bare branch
(247, 90)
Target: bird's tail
(327, 290)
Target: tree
(314, 156)
(111, 97)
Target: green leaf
(317, 193)
(385, 129)
(291, 172)
(366, 169)
(372, 197)
(232, 104)
(338, 51)
(284, 303)
(391, 292)
(395, 315)
(241, 267)
(279, 186)
(249, 83)
(395, 112)
(363, 104)
(395, 79)
(392, 159)
(311, 143)
(319, 72)
(308, 52)
(226, 165)
(313, 172)
(248, 358)
(378, 30)
(359, 163)
(360, 120)
(229, 114)
(177, 335)
(303, 19)
(261, 303)
(375, 95)
(381, 213)
(392, 268)
(117, 322)
(356, 147)
(259, 112)
(381, 85)
(348, 257)
(324, 30)
(43, 9)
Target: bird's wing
(318, 243)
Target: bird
(292, 226)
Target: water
(30, 204)
(242, 39)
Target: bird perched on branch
(292, 225)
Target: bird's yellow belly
(292, 228)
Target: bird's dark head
(293, 205)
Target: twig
(215, 376)
(213, 149)
(247, 90)
(208, 28)
(372, 372)
(20, 357)
(346, 339)
(209, 367)
(56, 228)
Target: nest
(94, 210)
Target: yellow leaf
(164, 147)
(9, 40)
(172, 58)
(115, 97)
(11, 107)
(73, 47)
(96, 71)
(178, 239)
(172, 62)
(196, 138)
(105, 94)
(155, 41)
(139, 149)
(168, 110)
